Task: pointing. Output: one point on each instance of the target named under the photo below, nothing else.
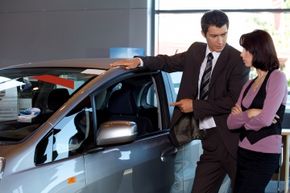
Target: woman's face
(247, 58)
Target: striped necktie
(204, 85)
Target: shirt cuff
(141, 62)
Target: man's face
(216, 37)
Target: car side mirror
(116, 132)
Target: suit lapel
(199, 55)
(219, 66)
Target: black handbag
(185, 130)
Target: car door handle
(170, 151)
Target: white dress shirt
(207, 122)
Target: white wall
(33, 30)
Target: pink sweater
(276, 89)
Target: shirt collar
(215, 54)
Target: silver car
(79, 126)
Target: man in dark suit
(227, 77)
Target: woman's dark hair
(260, 44)
(214, 18)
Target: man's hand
(126, 63)
(185, 105)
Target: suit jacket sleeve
(165, 63)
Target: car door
(135, 167)
(57, 168)
(145, 164)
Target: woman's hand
(253, 112)
(275, 119)
(236, 110)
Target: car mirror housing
(116, 132)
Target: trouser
(254, 170)
(214, 164)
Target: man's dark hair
(214, 18)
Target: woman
(258, 114)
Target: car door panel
(131, 168)
(65, 176)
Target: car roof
(100, 63)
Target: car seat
(145, 109)
(82, 123)
(56, 98)
(122, 106)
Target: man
(210, 105)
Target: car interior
(132, 100)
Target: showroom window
(177, 25)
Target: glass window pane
(177, 30)
(221, 4)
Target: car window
(28, 97)
(176, 78)
(134, 99)
(67, 138)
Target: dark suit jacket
(228, 77)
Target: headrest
(80, 122)
(122, 102)
(56, 98)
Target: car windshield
(28, 97)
